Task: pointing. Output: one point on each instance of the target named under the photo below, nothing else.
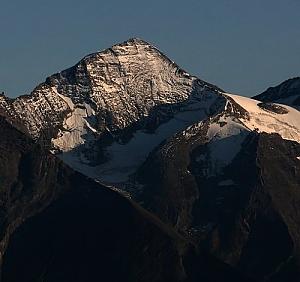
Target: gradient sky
(241, 46)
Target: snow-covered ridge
(224, 133)
(263, 120)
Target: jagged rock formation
(288, 93)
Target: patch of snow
(225, 142)
(76, 127)
(223, 150)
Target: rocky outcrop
(288, 93)
(30, 179)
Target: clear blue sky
(241, 46)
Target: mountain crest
(287, 92)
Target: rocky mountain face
(287, 93)
(89, 111)
(242, 210)
(58, 225)
(226, 183)
(109, 90)
(220, 170)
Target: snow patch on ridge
(225, 142)
(287, 125)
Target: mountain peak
(131, 48)
(287, 92)
(136, 40)
(139, 45)
(117, 87)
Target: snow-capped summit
(105, 115)
(121, 86)
(130, 88)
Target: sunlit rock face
(118, 96)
